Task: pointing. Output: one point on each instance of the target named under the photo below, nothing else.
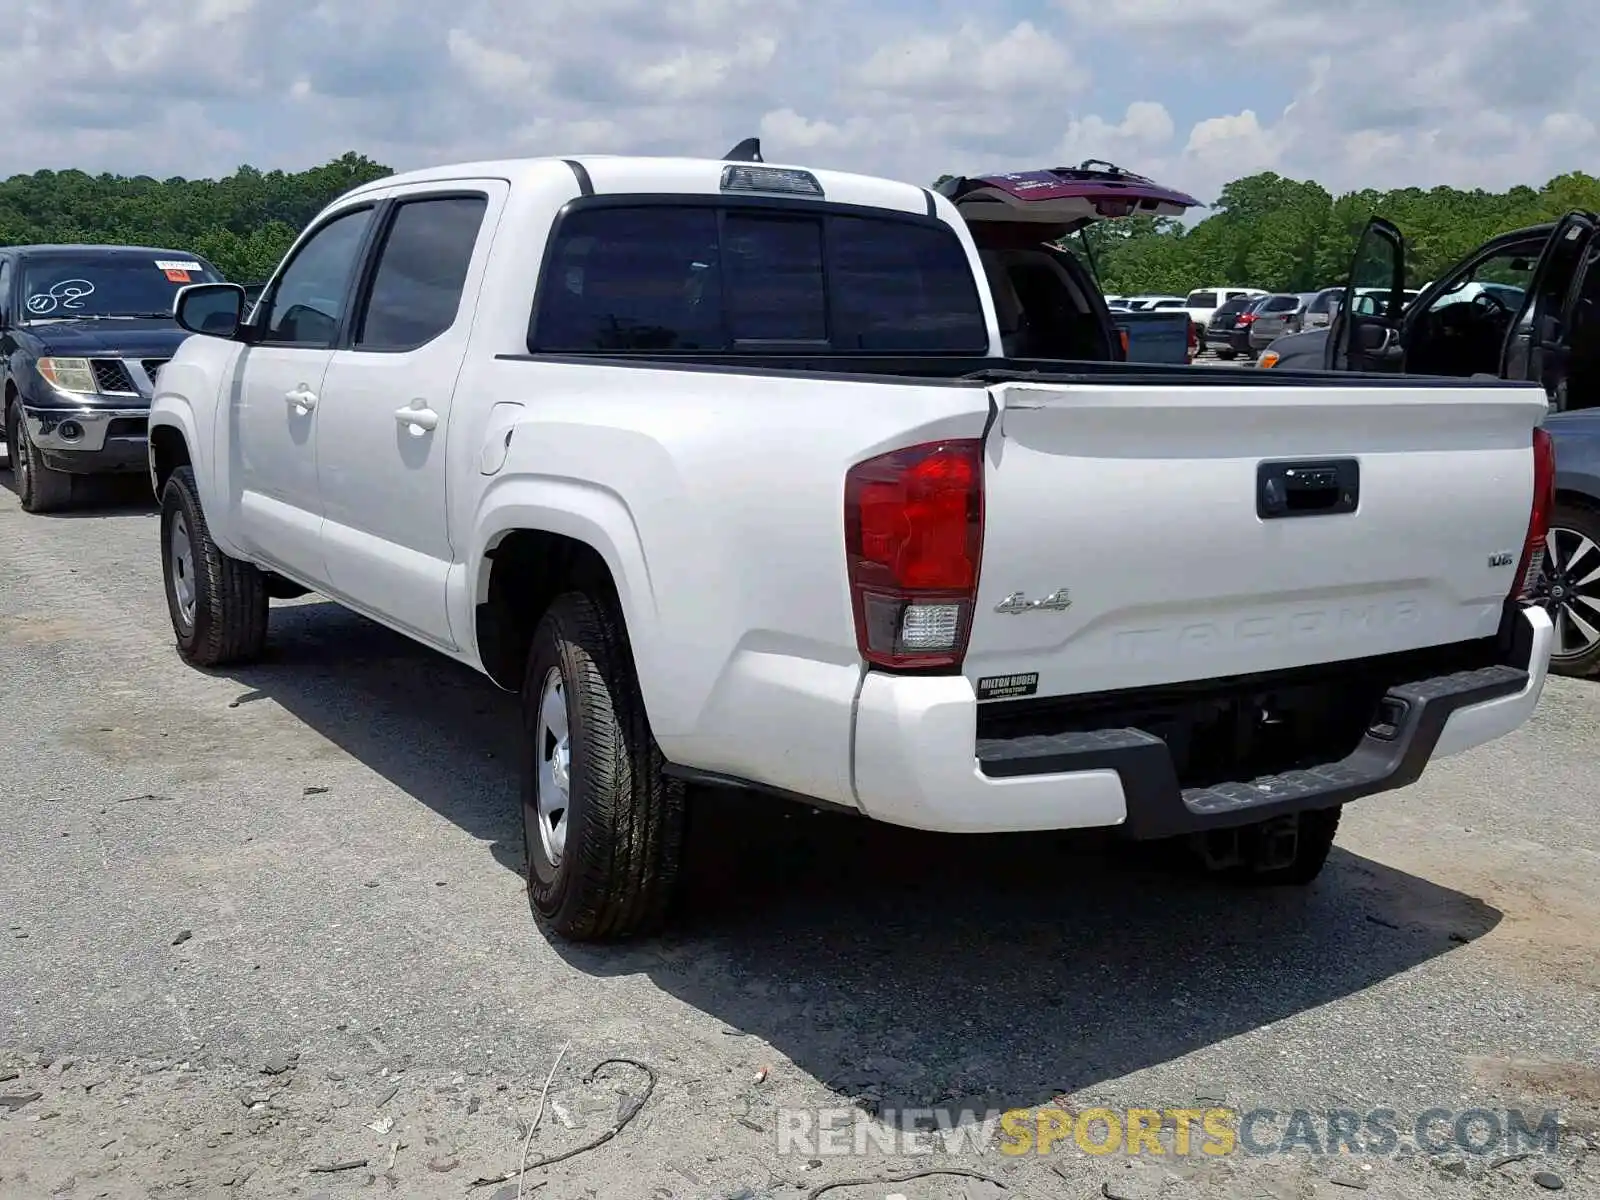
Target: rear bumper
(919, 763)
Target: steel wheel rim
(180, 552)
(552, 747)
(1569, 589)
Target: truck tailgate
(1136, 514)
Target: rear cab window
(725, 277)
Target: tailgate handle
(1307, 489)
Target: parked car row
(786, 480)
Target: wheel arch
(169, 450)
(539, 539)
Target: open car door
(1537, 346)
(1365, 334)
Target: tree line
(1263, 231)
(243, 223)
(1289, 235)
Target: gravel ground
(266, 921)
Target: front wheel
(218, 604)
(39, 488)
(602, 824)
(1569, 589)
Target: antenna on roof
(748, 150)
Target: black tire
(1562, 592)
(228, 621)
(614, 872)
(1244, 859)
(1227, 355)
(39, 489)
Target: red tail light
(913, 525)
(1245, 318)
(1194, 338)
(1544, 502)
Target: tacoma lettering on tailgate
(1291, 628)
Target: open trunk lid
(1064, 198)
(1139, 535)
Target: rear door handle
(417, 417)
(302, 399)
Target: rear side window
(422, 268)
(706, 278)
(1201, 300)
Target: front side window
(90, 285)
(669, 278)
(422, 269)
(307, 303)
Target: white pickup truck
(725, 466)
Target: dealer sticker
(1008, 687)
(173, 264)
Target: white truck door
(274, 407)
(387, 400)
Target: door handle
(417, 417)
(302, 399)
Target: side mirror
(212, 309)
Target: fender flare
(585, 512)
(167, 415)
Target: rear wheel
(1569, 589)
(1226, 355)
(39, 488)
(602, 825)
(218, 604)
(1286, 851)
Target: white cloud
(946, 66)
(1193, 92)
(489, 68)
(1473, 93)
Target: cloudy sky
(1195, 92)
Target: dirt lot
(270, 921)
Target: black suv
(1219, 330)
(83, 331)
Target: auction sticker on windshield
(177, 270)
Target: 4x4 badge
(1017, 602)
